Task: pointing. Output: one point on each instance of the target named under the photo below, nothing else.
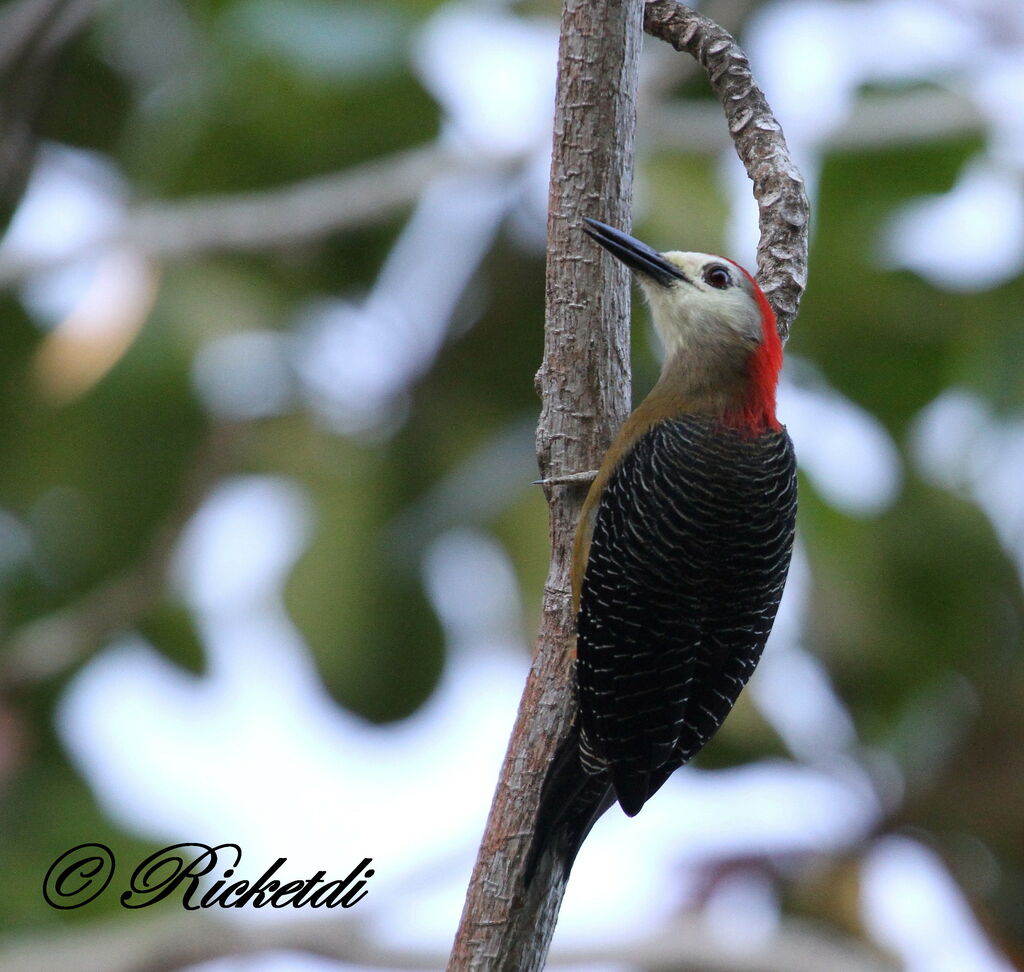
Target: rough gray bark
(584, 382)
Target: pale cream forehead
(682, 258)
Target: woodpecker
(682, 548)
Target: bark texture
(585, 386)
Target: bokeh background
(271, 303)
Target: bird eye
(717, 276)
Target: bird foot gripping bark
(569, 479)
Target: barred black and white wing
(689, 554)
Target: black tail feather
(571, 801)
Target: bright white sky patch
(743, 913)
(791, 687)
(960, 445)
(357, 358)
(494, 74)
(812, 56)
(770, 807)
(845, 450)
(912, 906)
(73, 199)
(244, 376)
(971, 238)
(998, 91)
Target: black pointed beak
(636, 255)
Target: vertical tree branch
(585, 387)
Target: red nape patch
(758, 412)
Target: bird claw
(569, 479)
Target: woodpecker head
(715, 322)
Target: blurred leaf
(886, 340)
(171, 628)
(376, 640)
(894, 607)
